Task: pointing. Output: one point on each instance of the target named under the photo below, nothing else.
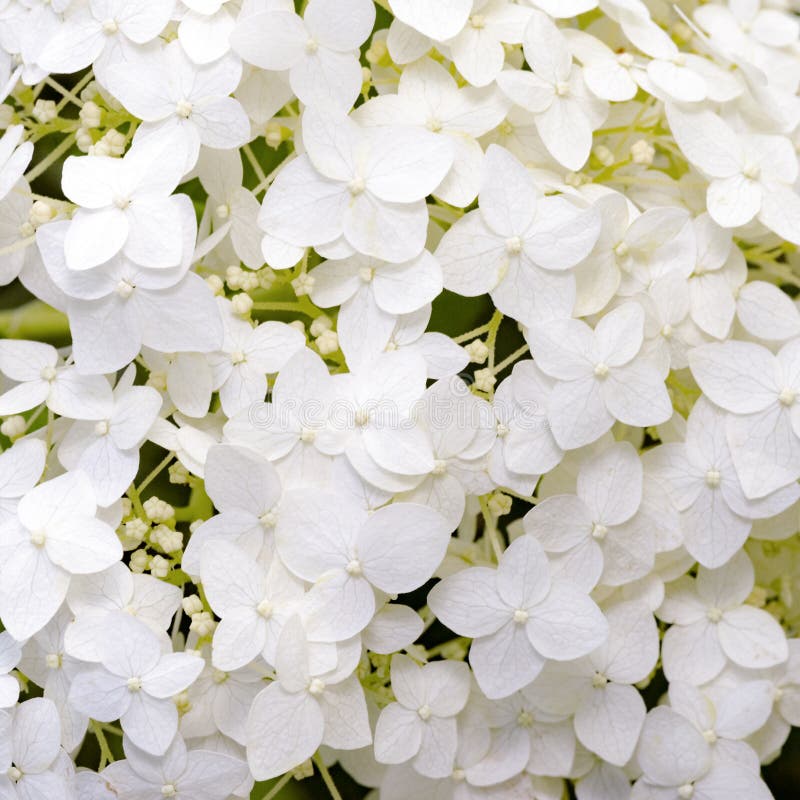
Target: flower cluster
(403, 388)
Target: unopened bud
(90, 115)
(273, 134)
(139, 561)
(303, 284)
(242, 304)
(484, 380)
(327, 343)
(477, 351)
(158, 510)
(320, 325)
(41, 212)
(216, 284)
(44, 111)
(192, 604)
(159, 567)
(642, 152)
(500, 504)
(13, 427)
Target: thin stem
(266, 181)
(133, 494)
(50, 159)
(326, 776)
(491, 341)
(491, 529)
(273, 792)
(165, 462)
(106, 756)
(511, 359)
(17, 246)
(250, 156)
(65, 93)
(76, 90)
(471, 334)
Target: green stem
(273, 792)
(51, 158)
(491, 528)
(106, 756)
(511, 359)
(471, 334)
(250, 156)
(17, 246)
(326, 776)
(146, 482)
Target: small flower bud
(303, 284)
(183, 704)
(297, 324)
(642, 152)
(90, 115)
(202, 624)
(242, 304)
(195, 524)
(41, 212)
(178, 474)
(89, 92)
(477, 351)
(484, 380)
(500, 504)
(192, 604)
(168, 540)
(159, 567)
(13, 427)
(327, 343)
(157, 510)
(603, 155)
(320, 325)
(139, 561)
(233, 276)
(133, 532)
(114, 142)
(378, 52)
(273, 134)
(266, 277)
(84, 141)
(44, 111)
(216, 284)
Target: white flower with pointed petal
(232, 210)
(15, 155)
(760, 391)
(54, 536)
(182, 101)
(676, 762)
(607, 74)
(21, 466)
(116, 308)
(726, 716)
(253, 603)
(519, 615)
(555, 92)
(716, 516)
(126, 204)
(10, 654)
(518, 245)
(421, 725)
(599, 375)
(41, 378)
(477, 50)
(91, 598)
(108, 450)
(246, 491)
(248, 353)
(750, 175)
(330, 541)
(608, 710)
(374, 421)
(461, 427)
(319, 50)
(366, 185)
(599, 535)
(181, 773)
(219, 701)
(428, 97)
(46, 662)
(135, 683)
(102, 32)
(711, 624)
(440, 21)
(29, 753)
(301, 710)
